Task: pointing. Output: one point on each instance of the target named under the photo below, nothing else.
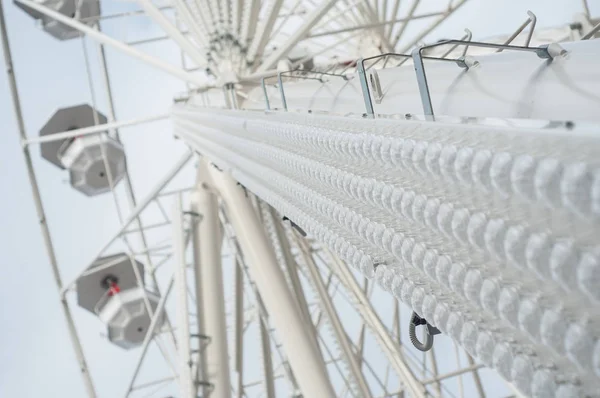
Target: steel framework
(334, 168)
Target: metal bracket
(267, 104)
(376, 86)
(531, 20)
(416, 320)
(290, 74)
(364, 84)
(362, 74)
(295, 226)
(549, 51)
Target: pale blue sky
(36, 358)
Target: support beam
(171, 30)
(360, 384)
(148, 337)
(186, 387)
(299, 34)
(410, 17)
(267, 357)
(291, 267)
(208, 249)
(449, 375)
(304, 357)
(476, 377)
(136, 212)
(365, 308)
(95, 129)
(109, 41)
(127, 179)
(239, 327)
(263, 33)
(429, 29)
(39, 208)
(196, 220)
(372, 25)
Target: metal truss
(303, 207)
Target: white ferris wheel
(305, 198)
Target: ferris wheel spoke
(298, 35)
(199, 29)
(333, 19)
(172, 31)
(264, 29)
(429, 29)
(288, 14)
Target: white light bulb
(500, 173)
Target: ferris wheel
(345, 204)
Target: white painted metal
(531, 88)
(239, 328)
(310, 21)
(188, 47)
(152, 329)
(359, 384)
(184, 367)
(40, 212)
(272, 167)
(210, 237)
(304, 356)
(94, 129)
(137, 211)
(109, 41)
(292, 161)
(390, 347)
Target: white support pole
(208, 248)
(109, 41)
(127, 179)
(292, 271)
(267, 357)
(201, 375)
(476, 377)
(409, 18)
(186, 386)
(372, 25)
(298, 35)
(259, 306)
(360, 384)
(365, 308)
(429, 29)
(239, 327)
(149, 336)
(171, 30)
(95, 129)
(264, 29)
(39, 208)
(304, 356)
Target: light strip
(489, 232)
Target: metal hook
(416, 320)
(531, 20)
(549, 51)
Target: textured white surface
(489, 232)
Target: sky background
(36, 358)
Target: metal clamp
(290, 74)
(362, 74)
(548, 51)
(376, 85)
(267, 104)
(416, 320)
